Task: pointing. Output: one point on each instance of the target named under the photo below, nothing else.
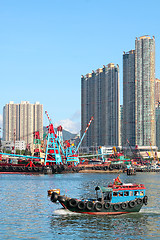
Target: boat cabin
(120, 193)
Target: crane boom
(84, 134)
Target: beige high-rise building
(100, 99)
(20, 121)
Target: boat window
(120, 194)
(131, 193)
(141, 193)
(126, 193)
(114, 194)
(136, 193)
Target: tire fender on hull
(107, 205)
(124, 205)
(145, 200)
(54, 197)
(98, 206)
(116, 206)
(61, 198)
(139, 201)
(81, 205)
(132, 204)
(73, 202)
(89, 205)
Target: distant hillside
(66, 134)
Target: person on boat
(117, 181)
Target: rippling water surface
(26, 211)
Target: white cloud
(69, 125)
(76, 115)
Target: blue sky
(45, 47)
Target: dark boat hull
(114, 209)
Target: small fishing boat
(116, 198)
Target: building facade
(100, 99)
(129, 97)
(20, 121)
(139, 93)
(145, 125)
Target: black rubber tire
(23, 168)
(19, 168)
(40, 169)
(124, 205)
(89, 205)
(132, 204)
(120, 166)
(110, 167)
(14, 168)
(29, 169)
(98, 206)
(55, 167)
(54, 197)
(116, 206)
(72, 202)
(61, 198)
(81, 205)
(145, 200)
(139, 201)
(105, 168)
(35, 169)
(6, 168)
(107, 205)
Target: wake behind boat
(116, 198)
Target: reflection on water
(27, 212)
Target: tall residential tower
(145, 91)
(21, 120)
(100, 99)
(139, 93)
(129, 97)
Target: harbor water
(26, 211)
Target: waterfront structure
(20, 121)
(100, 99)
(139, 93)
(11, 145)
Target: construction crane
(53, 148)
(60, 135)
(84, 134)
(134, 153)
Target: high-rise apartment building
(129, 97)
(145, 91)
(100, 99)
(20, 121)
(139, 93)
